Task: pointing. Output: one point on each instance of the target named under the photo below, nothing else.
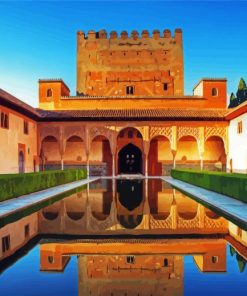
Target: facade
(238, 139)
(130, 114)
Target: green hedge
(14, 185)
(233, 185)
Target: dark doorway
(21, 162)
(130, 193)
(130, 160)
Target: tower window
(129, 90)
(49, 92)
(165, 86)
(214, 92)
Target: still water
(122, 237)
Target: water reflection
(129, 206)
(166, 226)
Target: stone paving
(16, 204)
(233, 209)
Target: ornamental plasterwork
(161, 131)
(100, 131)
(215, 131)
(47, 131)
(162, 224)
(128, 125)
(188, 131)
(188, 224)
(70, 131)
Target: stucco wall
(14, 136)
(238, 145)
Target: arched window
(214, 92)
(130, 134)
(49, 92)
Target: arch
(129, 221)
(21, 162)
(128, 127)
(210, 214)
(51, 212)
(130, 160)
(101, 203)
(160, 158)
(214, 156)
(187, 155)
(75, 206)
(74, 153)
(130, 193)
(50, 153)
(100, 157)
(186, 207)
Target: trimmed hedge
(14, 185)
(233, 185)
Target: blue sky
(38, 39)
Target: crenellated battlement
(136, 63)
(135, 35)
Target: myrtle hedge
(231, 184)
(14, 185)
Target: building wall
(237, 145)
(16, 233)
(13, 140)
(105, 66)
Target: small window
(25, 127)
(5, 243)
(165, 86)
(26, 231)
(4, 120)
(214, 92)
(165, 262)
(130, 259)
(49, 92)
(240, 127)
(130, 90)
(215, 259)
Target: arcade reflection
(130, 237)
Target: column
(146, 165)
(113, 165)
(62, 164)
(88, 167)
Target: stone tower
(130, 65)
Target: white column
(113, 165)
(62, 164)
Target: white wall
(238, 145)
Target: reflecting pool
(122, 237)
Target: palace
(129, 115)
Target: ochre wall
(105, 66)
(12, 138)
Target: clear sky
(38, 39)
